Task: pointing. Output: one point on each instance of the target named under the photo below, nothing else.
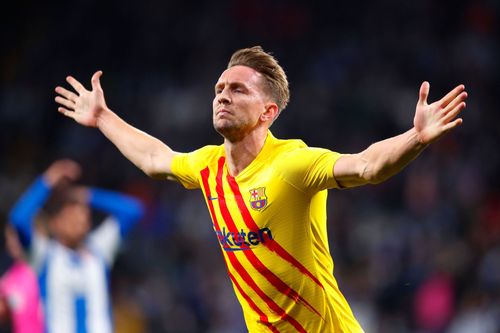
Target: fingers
(66, 93)
(79, 88)
(451, 95)
(75, 84)
(452, 125)
(66, 112)
(453, 112)
(424, 93)
(96, 83)
(65, 102)
(453, 104)
(61, 170)
(71, 169)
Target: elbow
(137, 209)
(151, 170)
(373, 174)
(379, 175)
(148, 167)
(22, 233)
(150, 173)
(156, 175)
(372, 178)
(157, 164)
(376, 179)
(19, 220)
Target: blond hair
(264, 63)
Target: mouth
(222, 112)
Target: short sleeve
(186, 167)
(183, 169)
(39, 249)
(106, 239)
(310, 169)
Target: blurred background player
(20, 303)
(73, 264)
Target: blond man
(266, 196)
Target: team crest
(258, 198)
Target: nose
(223, 97)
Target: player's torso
(263, 227)
(75, 290)
(272, 231)
(255, 210)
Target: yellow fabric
(271, 224)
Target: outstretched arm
(385, 158)
(89, 108)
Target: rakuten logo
(241, 241)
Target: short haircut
(264, 63)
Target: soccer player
(267, 196)
(73, 266)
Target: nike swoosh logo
(212, 198)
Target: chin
(223, 128)
(229, 131)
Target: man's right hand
(84, 106)
(89, 109)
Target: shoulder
(306, 167)
(294, 153)
(297, 150)
(186, 166)
(286, 146)
(208, 151)
(201, 155)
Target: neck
(75, 246)
(240, 153)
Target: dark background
(419, 253)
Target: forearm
(124, 208)
(22, 214)
(149, 154)
(379, 161)
(386, 158)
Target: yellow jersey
(270, 221)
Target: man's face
(72, 224)
(240, 100)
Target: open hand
(434, 120)
(84, 106)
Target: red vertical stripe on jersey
(222, 202)
(263, 317)
(234, 261)
(270, 303)
(205, 173)
(272, 244)
(279, 284)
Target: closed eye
(235, 88)
(238, 88)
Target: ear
(270, 113)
